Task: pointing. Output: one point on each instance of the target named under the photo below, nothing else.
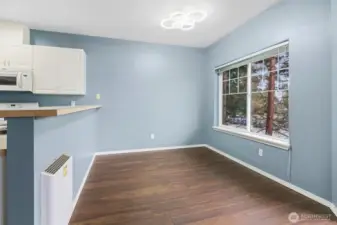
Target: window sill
(284, 145)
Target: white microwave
(16, 81)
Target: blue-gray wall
(145, 88)
(20, 171)
(74, 135)
(334, 99)
(305, 23)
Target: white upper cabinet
(17, 57)
(13, 34)
(60, 71)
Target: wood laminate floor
(186, 187)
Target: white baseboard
(83, 183)
(148, 149)
(278, 180)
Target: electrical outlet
(260, 152)
(98, 96)
(152, 136)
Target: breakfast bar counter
(36, 136)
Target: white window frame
(245, 133)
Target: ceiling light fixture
(183, 21)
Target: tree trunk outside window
(271, 94)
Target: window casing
(254, 96)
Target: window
(254, 98)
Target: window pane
(225, 87)
(243, 71)
(225, 75)
(264, 83)
(235, 109)
(283, 79)
(283, 48)
(234, 86)
(259, 68)
(259, 112)
(269, 78)
(270, 114)
(271, 63)
(243, 84)
(234, 73)
(260, 83)
(284, 60)
(281, 116)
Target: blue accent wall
(305, 23)
(145, 88)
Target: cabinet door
(59, 71)
(45, 68)
(19, 57)
(71, 71)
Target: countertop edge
(46, 111)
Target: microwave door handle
(19, 80)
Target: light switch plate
(98, 96)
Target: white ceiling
(137, 20)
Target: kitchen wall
(305, 23)
(75, 135)
(334, 99)
(145, 88)
(40, 142)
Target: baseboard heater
(57, 192)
